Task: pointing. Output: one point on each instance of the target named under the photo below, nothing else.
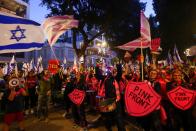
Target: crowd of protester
(22, 95)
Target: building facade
(98, 51)
(62, 49)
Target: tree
(177, 23)
(116, 19)
(154, 28)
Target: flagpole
(142, 63)
(53, 53)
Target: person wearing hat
(14, 105)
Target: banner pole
(142, 61)
(53, 53)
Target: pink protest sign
(182, 98)
(77, 96)
(140, 99)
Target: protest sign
(140, 99)
(77, 96)
(182, 98)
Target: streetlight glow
(104, 44)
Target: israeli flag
(19, 35)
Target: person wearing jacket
(44, 93)
(111, 91)
(178, 119)
(14, 96)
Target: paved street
(58, 123)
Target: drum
(106, 105)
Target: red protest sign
(53, 66)
(140, 99)
(155, 44)
(77, 96)
(181, 97)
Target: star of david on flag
(19, 35)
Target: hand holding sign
(182, 98)
(140, 99)
(77, 96)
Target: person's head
(162, 73)
(177, 75)
(91, 73)
(109, 72)
(20, 73)
(46, 72)
(13, 74)
(153, 74)
(136, 76)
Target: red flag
(132, 45)
(145, 27)
(144, 40)
(55, 26)
(155, 44)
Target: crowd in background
(22, 95)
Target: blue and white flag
(147, 61)
(176, 55)
(11, 64)
(19, 35)
(32, 66)
(25, 67)
(169, 59)
(39, 65)
(65, 60)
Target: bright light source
(98, 44)
(104, 44)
